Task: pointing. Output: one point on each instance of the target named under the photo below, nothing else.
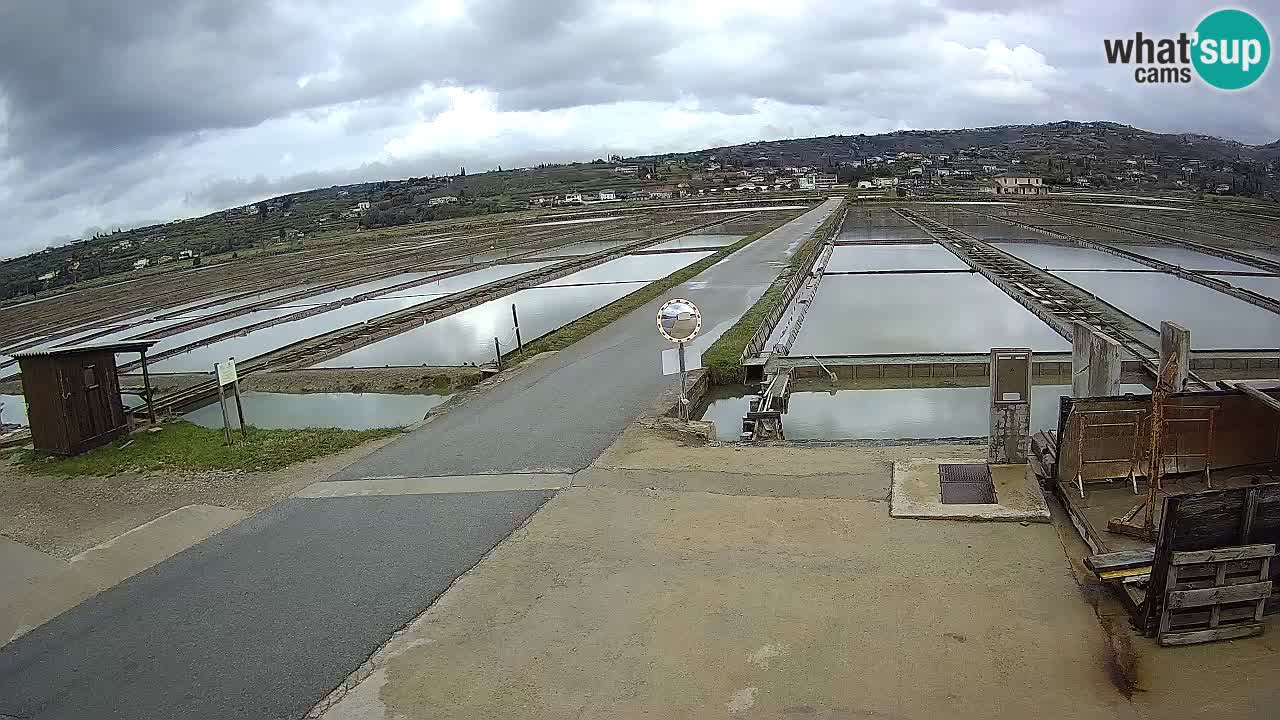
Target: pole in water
(516, 319)
(497, 351)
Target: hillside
(1094, 155)
(1062, 138)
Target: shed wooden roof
(128, 346)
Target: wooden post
(222, 401)
(497, 351)
(1175, 343)
(516, 319)
(146, 387)
(244, 427)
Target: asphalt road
(562, 413)
(262, 620)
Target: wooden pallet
(1215, 594)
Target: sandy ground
(706, 599)
(63, 516)
(642, 447)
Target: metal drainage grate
(966, 484)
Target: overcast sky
(133, 111)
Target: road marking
(385, 486)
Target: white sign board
(226, 372)
(671, 360)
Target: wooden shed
(73, 395)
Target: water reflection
(1269, 286)
(696, 241)
(894, 414)
(856, 258)
(467, 337)
(13, 410)
(951, 312)
(1188, 258)
(353, 411)
(1217, 321)
(1054, 257)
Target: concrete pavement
(263, 619)
(562, 412)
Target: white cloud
(106, 126)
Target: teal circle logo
(1232, 49)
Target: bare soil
(63, 516)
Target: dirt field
(63, 516)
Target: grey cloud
(111, 109)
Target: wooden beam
(1244, 552)
(1258, 395)
(1179, 599)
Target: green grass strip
(723, 360)
(183, 446)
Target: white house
(573, 197)
(49, 275)
(864, 185)
(139, 264)
(442, 200)
(608, 195)
(884, 182)
(807, 182)
(915, 171)
(1019, 184)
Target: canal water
(918, 313)
(893, 414)
(689, 242)
(861, 258)
(352, 411)
(1268, 286)
(467, 336)
(1067, 257)
(13, 410)
(1216, 320)
(1188, 258)
(263, 340)
(864, 233)
(588, 247)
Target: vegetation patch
(587, 324)
(183, 446)
(723, 360)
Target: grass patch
(587, 324)
(183, 446)
(723, 360)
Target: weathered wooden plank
(1229, 632)
(1258, 395)
(1119, 560)
(1133, 572)
(1179, 599)
(1240, 552)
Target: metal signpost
(679, 321)
(226, 372)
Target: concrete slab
(435, 485)
(622, 604)
(915, 494)
(51, 593)
(21, 566)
